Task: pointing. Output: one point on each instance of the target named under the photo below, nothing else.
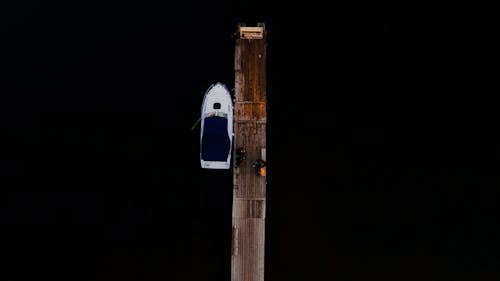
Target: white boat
(216, 137)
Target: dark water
(381, 138)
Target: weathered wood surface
(249, 189)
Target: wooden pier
(249, 187)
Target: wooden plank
(251, 110)
(249, 188)
(251, 32)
